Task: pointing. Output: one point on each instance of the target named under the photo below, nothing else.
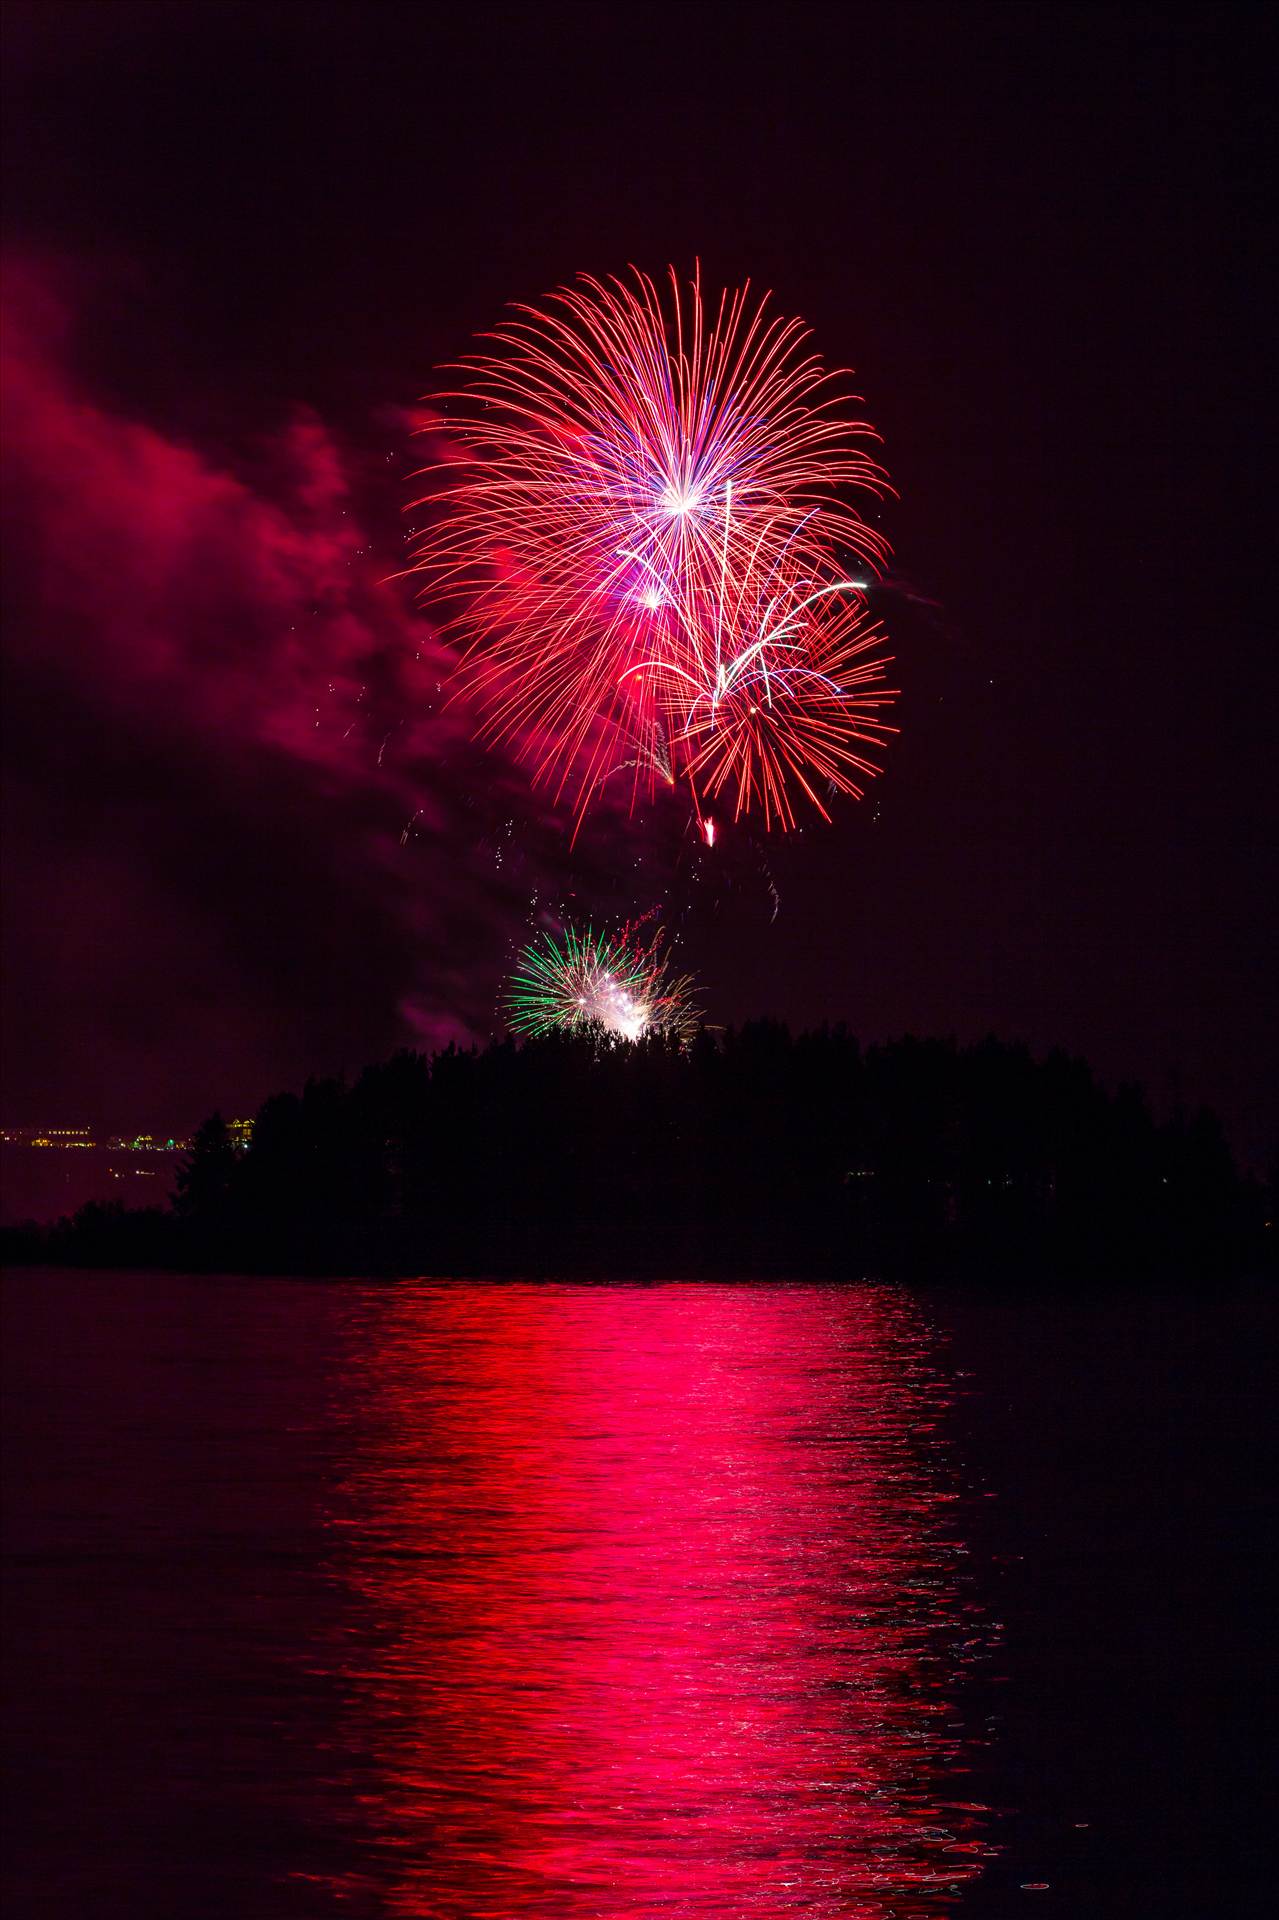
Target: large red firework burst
(639, 534)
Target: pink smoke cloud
(243, 807)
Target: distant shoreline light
(240, 1133)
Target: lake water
(489, 1601)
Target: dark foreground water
(490, 1601)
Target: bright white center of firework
(678, 500)
(652, 598)
(616, 1009)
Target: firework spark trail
(612, 987)
(626, 470)
(791, 691)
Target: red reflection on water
(663, 1607)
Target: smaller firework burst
(613, 987)
(778, 688)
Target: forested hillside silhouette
(753, 1151)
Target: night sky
(244, 842)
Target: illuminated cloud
(249, 840)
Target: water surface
(476, 1602)
(486, 1600)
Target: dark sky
(243, 842)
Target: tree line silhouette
(753, 1151)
